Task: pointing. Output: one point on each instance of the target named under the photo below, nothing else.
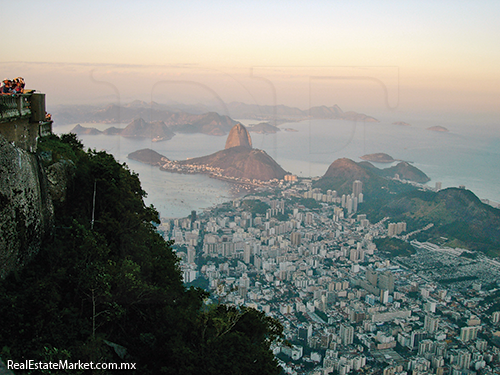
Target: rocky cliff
(26, 209)
(238, 136)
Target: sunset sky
(362, 55)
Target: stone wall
(21, 117)
(21, 132)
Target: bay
(466, 155)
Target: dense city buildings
(347, 305)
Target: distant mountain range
(283, 113)
(210, 123)
(157, 131)
(198, 118)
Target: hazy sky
(362, 55)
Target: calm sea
(467, 155)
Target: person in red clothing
(19, 85)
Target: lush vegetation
(110, 290)
(309, 203)
(394, 247)
(457, 214)
(255, 206)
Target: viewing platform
(23, 119)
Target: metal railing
(12, 107)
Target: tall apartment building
(357, 188)
(431, 323)
(346, 334)
(495, 317)
(295, 238)
(386, 281)
(469, 333)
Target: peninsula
(238, 162)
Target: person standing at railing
(19, 85)
(6, 88)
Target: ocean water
(469, 154)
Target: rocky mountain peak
(238, 136)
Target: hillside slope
(457, 214)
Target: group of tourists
(12, 86)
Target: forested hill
(110, 289)
(457, 215)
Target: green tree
(115, 283)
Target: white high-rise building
(191, 254)
(431, 324)
(495, 317)
(469, 333)
(346, 334)
(391, 229)
(349, 204)
(357, 188)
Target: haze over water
(462, 156)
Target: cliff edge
(26, 209)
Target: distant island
(441, 129)
(82, 130)
(263, 128)
(378, 158)
(401, 123)
(148, 156)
